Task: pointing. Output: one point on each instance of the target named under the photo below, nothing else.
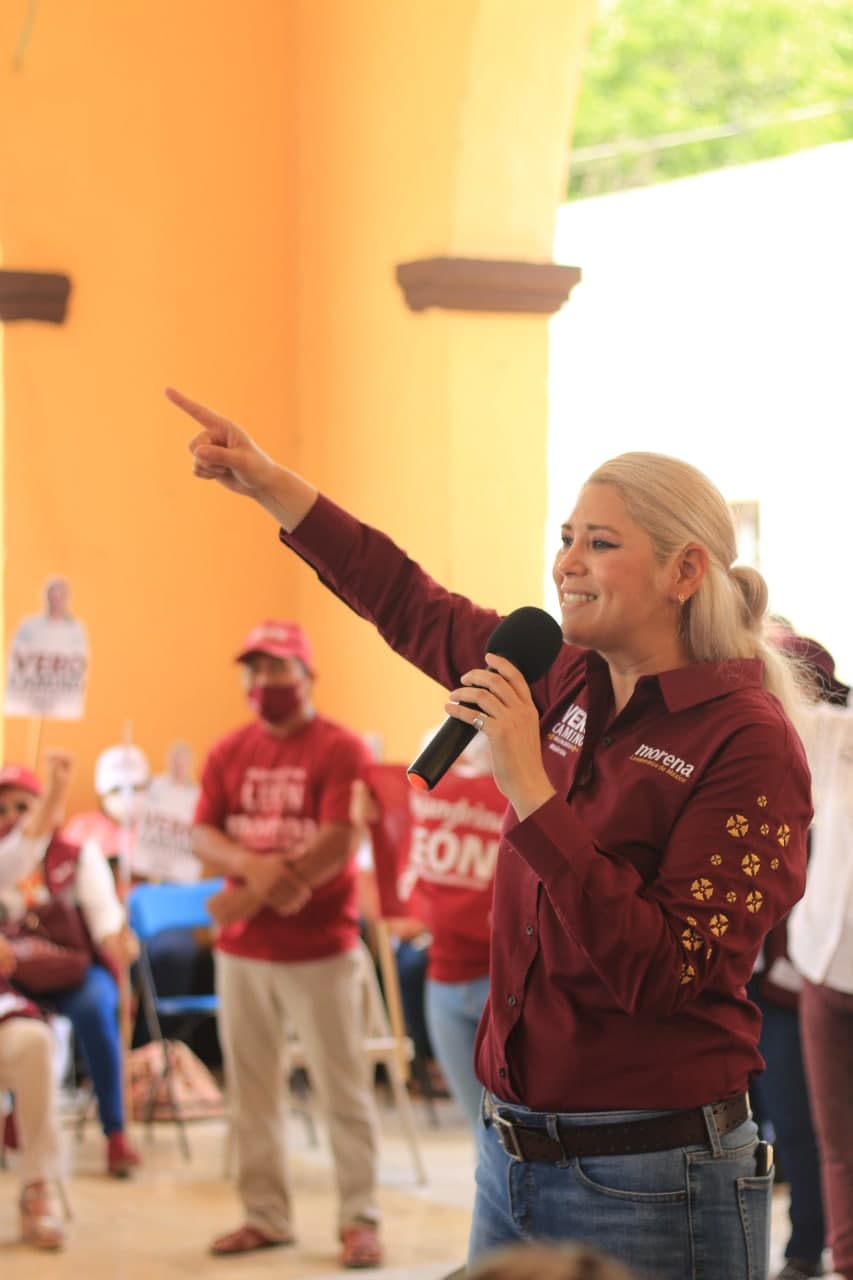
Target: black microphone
(530, 639)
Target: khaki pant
(322, 1001)
(26, 1068)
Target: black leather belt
(630, 1137)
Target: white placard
(162, 850)
(48, 660)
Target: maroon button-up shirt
(630, 908)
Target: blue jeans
(92, 1009)
(782, 1099)
(452, 1012)
(699, 1212)
(411, 966)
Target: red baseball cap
(278, 640)
(15, 775)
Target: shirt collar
(692, 685)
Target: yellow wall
(230, 188)
(445, 126)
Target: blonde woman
(659, 801)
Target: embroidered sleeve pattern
(733, 865)
(737, 893)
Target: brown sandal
(361, 1246)
(245, 1239)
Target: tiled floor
(160, 1224)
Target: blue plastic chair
(152, 908)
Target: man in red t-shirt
(273, 818)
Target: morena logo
(663, 759)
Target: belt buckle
(507, 1136)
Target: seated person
(37, 869)
(122, 778)
(26, 1070)
(142, 825)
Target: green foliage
(673, 67)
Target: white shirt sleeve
(819, 931)
(96, 893)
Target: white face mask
(123, 807)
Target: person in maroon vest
(658, 805)
(37, 868)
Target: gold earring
(681, 597)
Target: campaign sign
(162, 850)
(48, 661)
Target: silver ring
(478, 722)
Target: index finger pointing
(202, 414)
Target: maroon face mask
(276, 703)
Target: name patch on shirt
(568, 732)
(664, 761)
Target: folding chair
(152, 908)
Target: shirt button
(606, 740)
(529, 930)
(502, 1072)
(511, 1001)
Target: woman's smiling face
(615, 596)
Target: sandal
(41, 1219)
(245, 1239)
(361, 1245)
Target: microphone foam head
(529, 638)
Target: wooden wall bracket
(485, 284)
(34, 295)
